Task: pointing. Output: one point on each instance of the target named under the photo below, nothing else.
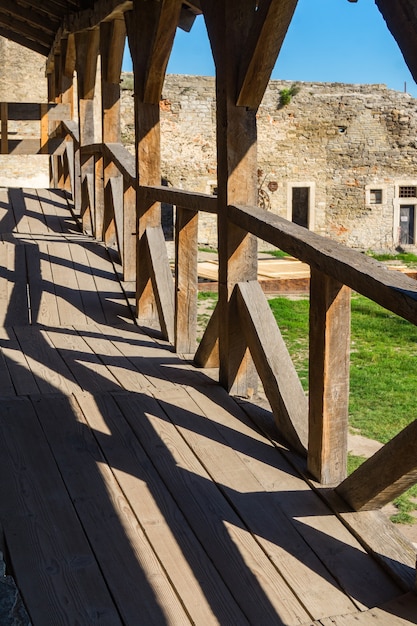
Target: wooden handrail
(123, 160)
(184, 199)
(394, 291)
(71, 128)
(334, 268)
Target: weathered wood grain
(135, 578)
(186, 244)
(236, 470)
(162, 280)
(394, 291)
(329, 360)
(269, 27)
(203, 592)
(207, 354)
(385, 475)
(261, 595)
(52, 559)
(273, 362)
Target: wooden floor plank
(43, 302)
(247, 571)
(48, 368)
(189, 568)
(24, 382)
(4, 282)
(146, 356)
(85, 278)
(51, 557)
(217, 447)
(360, 577)
(137, 582)
(34, 219)
(18, 205)
(115, 306)
(121, 368)
(70, 304)
(87, 369)
(13, 279)
(401, 611)
(53, 221)
(6, 385)
(7, 221)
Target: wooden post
(4, 145)
(112, 39)
(129, 233)
(186, 245)
(328, 378)
(44, 123)
(245, 38)
(151, 28)
(237, 183)
(87, 48)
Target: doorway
(300, 205)
(407, 224)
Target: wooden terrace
(139, 482)
(134, 489)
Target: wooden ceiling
(35, 24)
(38, 25)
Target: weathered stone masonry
(341, 153)
(350, 146)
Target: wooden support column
(112, 40)
(151, 28)
(328, 378)
(4, 145)
(66, 76)
(245, 37)
(186, 248)
(87, 49)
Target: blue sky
(328, 41)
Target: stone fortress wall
(22, 79)
(350, 147)
(341, 142)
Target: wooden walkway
(133, 489)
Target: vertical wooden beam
(129, 233)
(87, 49)
(328, 378)
(44, 122)
(66, 89)
(228, 26)
(4, 145)
(112, 39)
(186, 245)
(151, 28)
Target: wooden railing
(316, 427)
(44, 116)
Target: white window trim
(368, 188)
(311, 201)
(403, 201)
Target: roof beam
(269, 27)
(26, 30)
(401, 19)
(103, 11)
(24, 41)
(30, 15)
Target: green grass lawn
(383, 363)
(382, 373)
